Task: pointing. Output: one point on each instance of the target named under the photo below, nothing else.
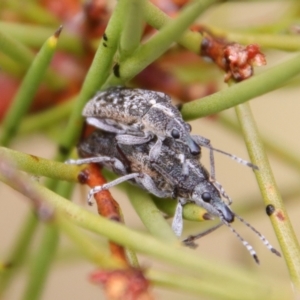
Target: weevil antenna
(244, 242)
(237, 159)
(190, 240)
(262, 238)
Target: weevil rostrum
(163, 178)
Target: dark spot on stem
(105, 37)
(270, 209)
(83, 176)
(34, 157)
(280, 216)
(105, 45)
(116, 70)
(115, 218)
(63, 150)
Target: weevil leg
(155, 150)
(89, 160)
(185, 164)
(177, 224)
(108, 185)
(117, 165)
(98, 123)
(202, 141)
(127, 139)
(165, 174)
(150, 186)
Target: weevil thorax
(165, 120)
(207, 196)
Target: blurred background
(277, 117)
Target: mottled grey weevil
(163, 178)
(136, 116)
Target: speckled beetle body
(138, 115)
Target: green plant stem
(190, 212)
(46, 251)
(33, 12)
(271, 144)
(18, 253)
(203, 287)
(10, 67)
(272, 41)
(95, 253)
(135, 240)
(150, 215)
(41, 263)
(40, 166)
(34, 36)
(15, 50)
(158, 44)
(280, 220)
(95, 77)
(28, 88)
(133, 27)
(47, 118)
(243, 91)
(158, 19)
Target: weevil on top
(137, 116)
(163, 178)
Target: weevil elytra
(163, 178)
(137, 115)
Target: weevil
(163, 178)
(138, 115)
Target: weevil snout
(193, 146)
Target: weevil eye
(206, 197)
(188, 127)
(175, 134)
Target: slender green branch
(95, 77)
(41, 263)
(47, 248)
(273, 41)
(28, 88)
(243, 91)
(130, 238)
(206, 288)
(280, 220)
(40, 166)
(271, 144)
(47, 118)
(158, 44)
(191, 211)
(133, 27)
(9, 66)
(34, 36)
(95, 253)
(19, 252)
(33, 12)
(158, 19)
(150, 215)
(13, 48)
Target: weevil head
(206, 195)
(181, 131)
